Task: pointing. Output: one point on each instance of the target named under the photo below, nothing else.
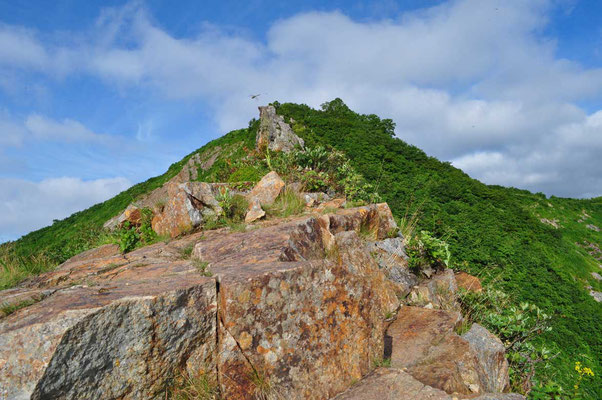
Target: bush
(130, 237)
(426, 251)
(518, 327)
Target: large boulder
(302, 305)
(490, 352)
(275, 134)
(111, 328)
(265, 192)
(424, 342)
(188, 206)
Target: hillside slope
(493, 232)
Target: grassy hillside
(44, 249)
(494, 232)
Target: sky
(98, 95)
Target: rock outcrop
(274, 133)
(468, 282)
(302, 303)
(298, 308)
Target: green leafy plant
(425, 250)
(518, 327)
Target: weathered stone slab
(424, 342)
(392, 384)
(108, 333)
(490, 352)
(302, 305)
(392, 259)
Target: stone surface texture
(265, 192)
(423, 341)
(392, 259)
(275, 134)
(392, 384)
(188, 206)
(112, 327)
(438, 292)
(300, 302)
(468, 282)
(490, 352)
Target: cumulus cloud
(475, 82)
(30, 205)
(67, 130)
(14, 132)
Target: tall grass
(15, 268)
(287, 203)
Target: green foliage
(492, 231)
(7, 309)
(187, 386)
(519, 328)
(322, 169)
(130, 237)
(425, 250)
(234, 206)
(202, 267)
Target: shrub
(518, 327)
(426, 250)
(130, 236)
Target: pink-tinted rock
(468, 282)
(264, 193)
(423, 341)
(302, 304)
(392, 384)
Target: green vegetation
(539, 250)
(7, 309)
(202, 267)
(425, 250)
(492, 231)
(517, 327)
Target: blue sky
(95, 96)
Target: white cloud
(35, 127)
(473, 81)
(67, 130)
(30, 205)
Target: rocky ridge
(299, 308)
